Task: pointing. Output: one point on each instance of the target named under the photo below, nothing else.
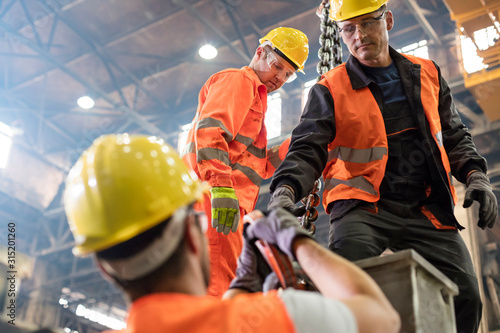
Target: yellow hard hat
(122, 186)
(291, 44)
(341, 10)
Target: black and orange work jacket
(343, 131)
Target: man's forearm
(339, 279)
(334, 276)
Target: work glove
(225, 209)
(479, 189)
(284, 197)
(279, 228)
(252, 268)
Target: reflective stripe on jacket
(227, 144)
(357, 157)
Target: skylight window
(484, 39)
(273, 116)
(5, 144)
(419, 49)
(305, 92)
(183, 136)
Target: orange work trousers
(224, 251)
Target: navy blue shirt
(407, 174)
(389, 81)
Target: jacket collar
(357, 75)
(250, 73)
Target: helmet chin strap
(153, 256)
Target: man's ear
(390, 20)
(193, 236)
(105, 274)
(260, 52)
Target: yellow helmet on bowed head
(291, 43)
(122, 186)
(341, 10)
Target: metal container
(422, 295)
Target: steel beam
(422, 20)
(210, 26)
(18, 55)
(31, 23)
(118, 37)
(476, 119)
(236, 26)
(486, 128)
(101, 53)
(127, 111)
(49, 123)
(41, 157)
(7, 8)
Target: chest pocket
(252, 137)
(253, 123)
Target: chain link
(330, 52)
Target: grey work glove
(225, 209)
(279, 228)
(479, 189)
(284, 197)
(252, 268)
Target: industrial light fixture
(100, 317)
(85, 102)
(207, 51)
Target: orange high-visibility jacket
(358, 155)
(227, 145)
(186, 313)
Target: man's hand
(252, 268)
(279, 228)
(225, 209)
(284, 197)
(479, 189)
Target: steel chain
(330, 52)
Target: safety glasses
(282, 72)
(367, 26)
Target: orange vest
(357, 157)
(246, 313)
(227, 145)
